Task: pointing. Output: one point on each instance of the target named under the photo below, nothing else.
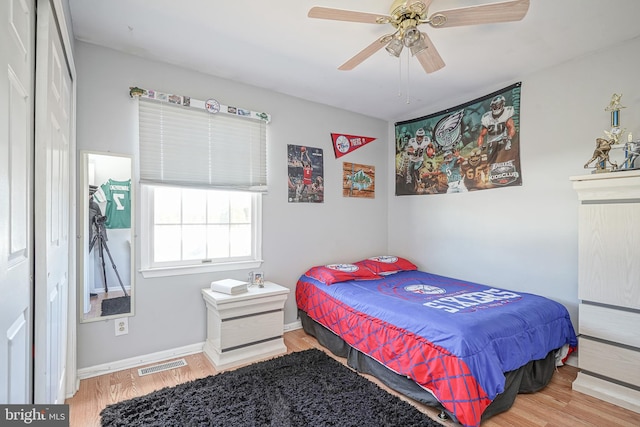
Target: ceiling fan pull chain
(399, 77)
(408, 101)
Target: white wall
(525, 238)
(170, 312)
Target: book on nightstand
(229, 286)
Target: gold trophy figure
(604, 145)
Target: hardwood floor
(556, 405)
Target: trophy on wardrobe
(603, 162)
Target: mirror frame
(83, 239)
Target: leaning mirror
(106, 217)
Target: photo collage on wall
(474, 146)
(306, 174)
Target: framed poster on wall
(305, 174)
(470, 147)
(358, 180)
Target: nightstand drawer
(250, 329)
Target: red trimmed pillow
(387, 264)
(334, 273)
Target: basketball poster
(306, 174)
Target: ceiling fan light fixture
(418, 46)
(411, 36)
(395, 47)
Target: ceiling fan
(406, 15)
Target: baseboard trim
(161, 356)
(293, 326)
(134, 362)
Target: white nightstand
(246, 327)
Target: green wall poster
(474, 146)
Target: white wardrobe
(609, 287)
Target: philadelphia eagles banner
(474, 146)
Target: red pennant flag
(344, 144)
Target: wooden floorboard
(556, 405)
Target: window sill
(149, 273)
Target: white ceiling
(274, 45)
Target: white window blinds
(191, 147)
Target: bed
(464, 347)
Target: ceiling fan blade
(363, 54)
(484, 14)
(346, 15)
(429, 58)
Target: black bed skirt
(529, 378)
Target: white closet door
(52, 205)
(16, 190)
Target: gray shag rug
(306, 388)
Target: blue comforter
(453, 337)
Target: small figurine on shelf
(614, 104)
(601, 155)
(632, 151)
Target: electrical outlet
(122, 326)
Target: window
(201, 181)
(194, 229)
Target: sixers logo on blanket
(424, 289)
(464, 302)
(452, 297)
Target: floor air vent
(162, 367)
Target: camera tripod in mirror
(99, 237)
